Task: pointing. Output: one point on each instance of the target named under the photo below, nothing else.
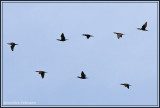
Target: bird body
(118, 34)
(62, 38)
(143, 27)
(87, 35)
(83, 76)
(12, 45)
(42, 73)
(126, 85)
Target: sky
(106, 60)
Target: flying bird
(87, 35)
(83, 76)
(12, 45)
(118, 34)
(42, 73)
(143, 27)
(126, 85)
(62, 38)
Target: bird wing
(12, 47)
(127, 86)
(9, 43)
(83, 75)
(39, 71)
(144, 26)
(119, 35)
(62, 37)
(84, 34)
(42, 74)
(88, 36)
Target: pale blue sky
(106, 60)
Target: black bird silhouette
(62, 38)
(143, 27)
(42, 73)
(118, 34)
(12, 45)
(126, 85)
(87, 35)
(83, 76)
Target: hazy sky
(106, 60)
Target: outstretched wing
(83, 75)
(119, 35)
(84, 34)
(127, 85)
(144, 26)
(12, 47)
(88, 36)
(42, 74)
(62, 37)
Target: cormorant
(143, 27)
(87, 35)
(83, 76)
(126, 85)
(118, 34)
(42, 73)
(12, 45)
(62, 38)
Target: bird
(62, 38)
(87, 35)
(42, 73)
(83, 76)
(118, 34)
(126, 85)
(12, 45)
(143, 27)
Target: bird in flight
(83, 76)
(87, 35)
(12, 45)
(118, 34)
(42, 73)
(143, 27)
(126, 85)
(62, 38)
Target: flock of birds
(83, 75)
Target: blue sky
(106, 60)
